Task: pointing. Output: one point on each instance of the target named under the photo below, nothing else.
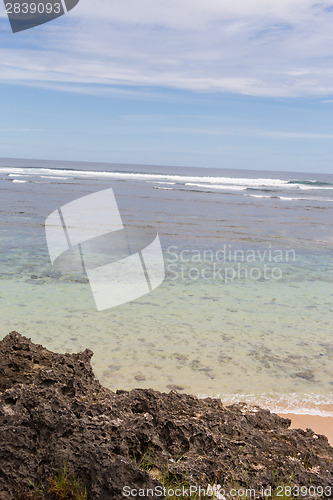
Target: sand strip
(320, 425)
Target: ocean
(245, 311)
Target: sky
(244, 84)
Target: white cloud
(194, 14)
(250, 47)
(24, 130)
(273, 134)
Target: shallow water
(245, 311)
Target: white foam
(52, 177)
(302, 198)
(297, 404)
(261, 182)
(287, 198)
(164, 182)
(232, 183)
(217, 186)
(261, 196)
(20, 181)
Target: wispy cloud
(274, 134)
(24, 130)
(258, 48)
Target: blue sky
(230, 84)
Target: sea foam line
(242, 182)
(297, 404)
(287, 198)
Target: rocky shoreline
(54, 412)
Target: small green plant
(65, 486)
(306, 460)
(61, 486)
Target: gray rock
(53, 410)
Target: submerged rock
(53, 411)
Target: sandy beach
(320, 425)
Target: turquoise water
(245, 311)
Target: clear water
(245, 311)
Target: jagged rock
(53, 411)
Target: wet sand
(320, 425)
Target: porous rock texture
(53, 411)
